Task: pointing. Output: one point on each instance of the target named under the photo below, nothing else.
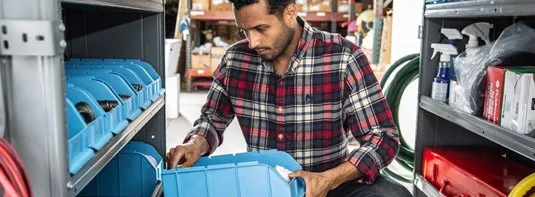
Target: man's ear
(290, 13)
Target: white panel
(407, 17)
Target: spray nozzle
(451, 34)
(477, 30)
(446, 50)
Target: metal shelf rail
(438, 123)
(34, 86)
(481, 8)
(426, 187)
(521, 144)
(309, 16)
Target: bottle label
(440, 91)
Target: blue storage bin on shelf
(96, 124)
(134, 80)
(115, 118)
(118, 84)
(134, 171)
(79, 151)
(245, 174)
(153, 85)
(152, 72)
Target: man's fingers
(177, 155)
(297, 173)
(189, 162)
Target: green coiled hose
(408, 72)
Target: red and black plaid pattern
(328, 93)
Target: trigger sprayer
(475, 31)
(451, 34)
(441, 82)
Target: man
(302, 91)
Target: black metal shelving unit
(438, 123)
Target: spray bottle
(447, 70)
(452, 35)
(442, 81)
(475, 31)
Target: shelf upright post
(35, 92)
(334, 20)
(188, 51)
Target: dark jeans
(383, 187)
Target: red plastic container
(472, 171)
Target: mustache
(261, 48)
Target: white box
(172, 97)
(518, 110)
(172, 50)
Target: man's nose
(254, 40)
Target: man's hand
(187, 154)
(317, 184)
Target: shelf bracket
(32, 37)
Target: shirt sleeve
(368, 117)
(217, 112)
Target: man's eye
(261, 29)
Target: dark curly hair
(275, 7)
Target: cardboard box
(343, 6)
(518, 109)
(217, 54)
(320, 6)
(492, 107)
(386, 41)
(221, 6)
(510, 98)
(302, 5)
(201, 61)
(200, 5)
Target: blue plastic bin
(148, 68)
(96, 133)
(245, 174)
(153, 85)
(116, 119)
(128, 63)
(128, 74)
(118, 84)
(134, 171)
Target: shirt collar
(306, 38)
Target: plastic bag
(511, 49)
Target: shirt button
(281, 136)
(279, 109)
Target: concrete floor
(190, 110)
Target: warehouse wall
(407, 17)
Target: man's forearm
(343, 173)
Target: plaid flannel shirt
(328, 93)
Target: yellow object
(521, 189)
(365, 22)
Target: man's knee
(387, 187)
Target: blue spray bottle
(442, 80)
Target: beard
(280, 44)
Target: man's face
(268, 35)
